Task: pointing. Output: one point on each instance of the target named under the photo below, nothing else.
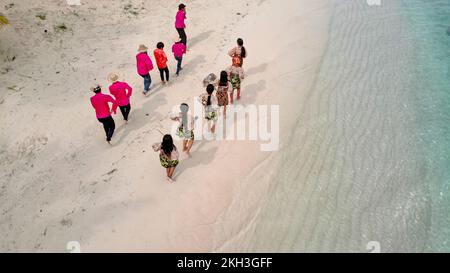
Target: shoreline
(356, 176)
(250, 195)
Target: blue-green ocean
(430, 31)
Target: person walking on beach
(180, 25)
(100, 102)
(238, 53)
(185, 128)
(178, 49)
(161, 62)
(144, 66)
(222, 91)
(168, 155)
(121, 91)
(236, 75)
(210, 106)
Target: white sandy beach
(61, 182)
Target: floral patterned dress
(222, 94)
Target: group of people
(225, 86)
(122, 91)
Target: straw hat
(142, 48)
(113, 77)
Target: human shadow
(190, 67)
(250, 92)
(200, 37)
(193, 64)
(199, 157)
(155, 89)
(257, 69)
(142, 116)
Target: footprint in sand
(66, 222)
(31, 145)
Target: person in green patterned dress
(168, 155)
(210, 103)
(236, 75)
(185, 128)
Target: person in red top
(122, 93)
(161, 61)
(100, 102)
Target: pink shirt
(144, 64)
(119, 91)
(100, 103)
(179, 19)
(178, 49)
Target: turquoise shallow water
(429, 22)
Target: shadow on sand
(200, 37)
(199, 157)
(250, 92)
(257, 69)
(142, 116)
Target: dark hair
(97, 89)
(209, 90)
(184, 104)
(167, 145)
(160, 45)
(240, 43)
(181, 6)
(223, 78)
